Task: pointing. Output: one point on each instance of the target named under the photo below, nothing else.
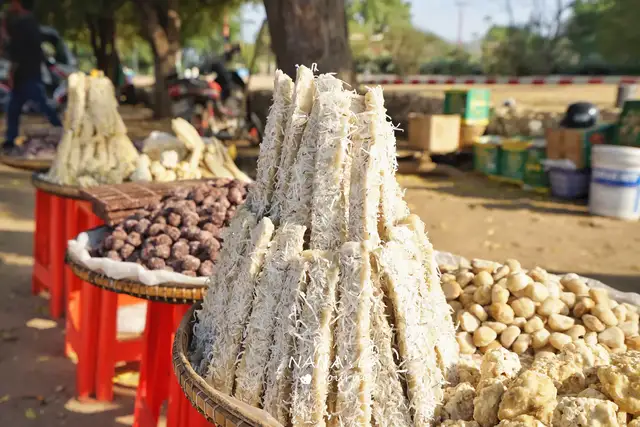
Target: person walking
(25, 53)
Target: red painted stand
(92, 321)
(49, 246)
(157, 380)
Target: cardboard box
(575, 144)
(434, 133)
(472, 105)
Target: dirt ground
(464, 213)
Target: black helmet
(580, 115)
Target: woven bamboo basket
(26, 163)
(172, 293)
(218, 408)
(69, 191)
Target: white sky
(437, 16)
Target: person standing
(25, 53)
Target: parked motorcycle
(225, 114)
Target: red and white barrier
(382, 79)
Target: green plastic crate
(472, 105)
(486, 155)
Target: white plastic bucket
(615, 182)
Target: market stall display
(167, 158)
(328, 265)
(529, 312)
(94, 148)
(35, 150)
(175, 240)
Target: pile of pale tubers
(94, 148)
(186, 157)
(532, 311)
(325, 306)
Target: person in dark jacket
(26, 56)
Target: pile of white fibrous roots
(94, 148)
(325, 307)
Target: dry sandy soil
(464, 213)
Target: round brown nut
(119, 234)
(533, 324)
(521, 344)
(483, 278)
(190, 263)
(605, 315)
(496, 326)
(155, 263)
(558, 340)
(499, 295)
(509, 335)
(483, 336)
(482, 295)
(206, 269)
(577, 332)
(592, 323)
(502, 313)
(468, 322)
(560, 323)
(540, 338)
(550, 306)
(536, 292)
(524, 307)
(452, 290)
(517, 282)
(612, 337)
(114, 255)
(576, 286)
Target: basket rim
(68, 191)
(217, 407)
(174, 293)
(25, 163)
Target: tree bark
(161, 26)
(102, 31)
(304, 32)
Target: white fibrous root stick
(297, 208)
(236, 237)
(332, 141)
(278, 379)
(404, 284)
(364, 195)
(390, 406)
(250, 373)
(259, 197)
(300, 109)
(392, 205)
(313, 341)
(235, 313)
(446, 344)
(354, 357)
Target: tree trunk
(311, 31)
(102, 31)
(162, 30)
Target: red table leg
(155, 367)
